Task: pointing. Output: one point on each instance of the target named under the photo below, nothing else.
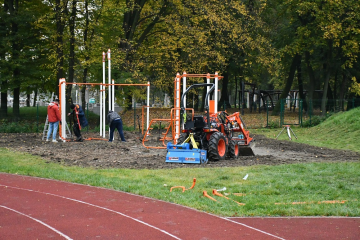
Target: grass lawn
(268, 190)
(311, 189)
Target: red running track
(36, 208)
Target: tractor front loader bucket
(181, 153)
(247, 150)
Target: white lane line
(37, 220)
(253, 228)
(75, 200)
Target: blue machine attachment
(181, 153)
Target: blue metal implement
(181, 153)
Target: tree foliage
(294, 44)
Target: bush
(19, 127)
(316, 120)
(273, 124)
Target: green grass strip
(265, 187)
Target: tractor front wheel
(217, 147)
(233, 149)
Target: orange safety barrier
(206, 195)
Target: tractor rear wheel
(233, 149)
(217, 147)
(182, 138)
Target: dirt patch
(132, 154)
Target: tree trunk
(236, 91)
(224, 100)
(132, 37)
(3, 109)
(327, 69)
(35, 97)
(301, 87)
(3, 81)
(71, 48)
(86, 29)
(28, 99)
(311, 75)
(16, 104)
(342, 90)
(59, 44)
(331, 100)
(296, 61)
(204, 91)
(13, 9)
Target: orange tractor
(211, 137)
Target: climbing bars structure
(62, 98)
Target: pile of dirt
(132, 154)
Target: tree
(19, 47)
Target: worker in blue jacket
(79, 120)
(114, 121)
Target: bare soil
(133, 155)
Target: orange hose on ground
(320, 202)
(96, 139)
(193, 185)
(216, 193)
(183, 188)
(239, 194)
(206, 195)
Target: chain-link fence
(292, 112)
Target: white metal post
(177, 105)
(184, 88)
(109, 77)
(113, 95)
(208, 88)
(103, 103)
(101, 94)
(109, 82)
(216, 93)
(63, 107)
(148, 105)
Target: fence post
(353, 103)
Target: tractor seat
(199, 122)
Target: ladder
(46, 126)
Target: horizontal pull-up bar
(107, 84)
(201, 75)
